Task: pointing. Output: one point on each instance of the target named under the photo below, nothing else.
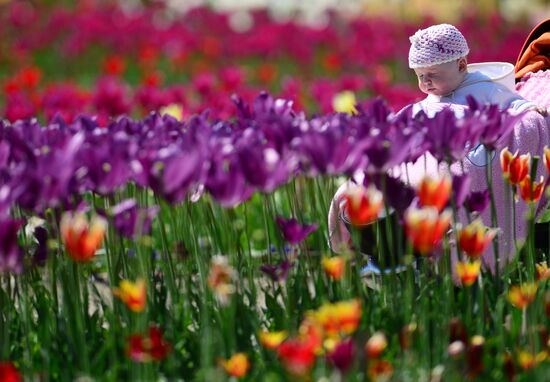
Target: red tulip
(425, 228)
(515, 168)
(529, 191)
(434, 192)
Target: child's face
(442, 79)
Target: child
(438, 57)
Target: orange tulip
(521, 296)
(543, 273)
(334, 266)
(425, 227)
(380, 370)
(272, 340)
(547, 158)
(376, 345)
(362, 205)
(475, 237)
(236, 366)
(531, 192)
(341, 317)
(434, 192)
(134, 295)
(515, 168)
(468, 272)
(82, 238)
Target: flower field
(165, 193)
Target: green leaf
(545, 218)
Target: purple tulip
(107, 159)
(262, 166)
(181, 170)
(277, 273)
(43, 179)
(131, 221)
(477, 201)
(294, 232)
(327, 148)
(226, 182)
(11, 256)
(461, 187)
(398, 194)
(494, 126)
(390, 144)
(448, 136)
(390, 150)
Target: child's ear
(462, 64)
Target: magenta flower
(461, 186)
(294, 232)
(343, 355)
(11, 256)
(278, 272)
(111, 97)
(477, 201)
(19, 106)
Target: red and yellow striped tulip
(376, 345)
(134, 295)
(514, 167)
(363, 204)
(237, 365)
(531, 192)
(338, 318)
(468, 272)
(434, 192)
(547, 158)
(425, 227)
(522, 295)
(542, 271)
(272, 340)
(82, 238)
(334, 266)
(475, 237)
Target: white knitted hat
(436, 45)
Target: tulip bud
(475, 356)
(376, 344)
(509, 367)
(458, 331)
(406, 335)
(456, 349)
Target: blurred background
(107, 58)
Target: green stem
(494, 221)
(167, 263)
